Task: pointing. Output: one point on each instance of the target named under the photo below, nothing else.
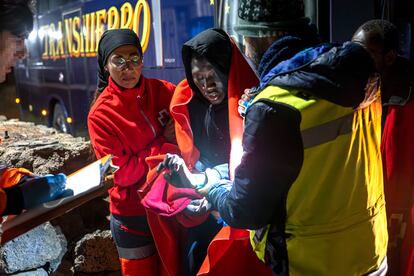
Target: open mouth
(213, 96)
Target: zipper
(146, 118)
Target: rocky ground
(77, 243)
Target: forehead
(200, 64)
(371, 41)
(8, 36)
(125, 51)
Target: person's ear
(390, 57)
(106, 69)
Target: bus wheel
(59, 120)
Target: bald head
(380, 38)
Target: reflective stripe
(327, 132)
(260, 234)
(381, 271)
(136, 253)
(149, 123)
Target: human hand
(213, 177)
(177, 172)
(198, 207)
(38, 190)
(169, 132)
(244, 102)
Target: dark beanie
(110, 40)
(261, 18)
(16, 17)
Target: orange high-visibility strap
(11, 176)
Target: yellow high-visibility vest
(336, 219)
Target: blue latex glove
(42, 189)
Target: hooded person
(128, 120)
(208, 132)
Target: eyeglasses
(121, 63)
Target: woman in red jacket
(128, 120)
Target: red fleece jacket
(128, 124)
(397, 150)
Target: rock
(65, 269)
(37, 272)
(84, 219)
(42, 150)
(96, 252)
(43, 246)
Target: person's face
(125, 65)
(207, 80)
(255, 47)
(376, 50)
(12, 48)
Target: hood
(339, 75)
(215, 46)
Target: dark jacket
(272, 141)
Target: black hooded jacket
(209, 123)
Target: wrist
(212, 177)
(199, 180)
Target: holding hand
(177, 173)
(244, 102)
(198, 207)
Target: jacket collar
(134, 92)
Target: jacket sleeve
(272, 158)
(11, 198)
(132, 168)
(3, 201)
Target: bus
(57, 80)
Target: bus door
(76, 74)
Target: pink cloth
(168, 200)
